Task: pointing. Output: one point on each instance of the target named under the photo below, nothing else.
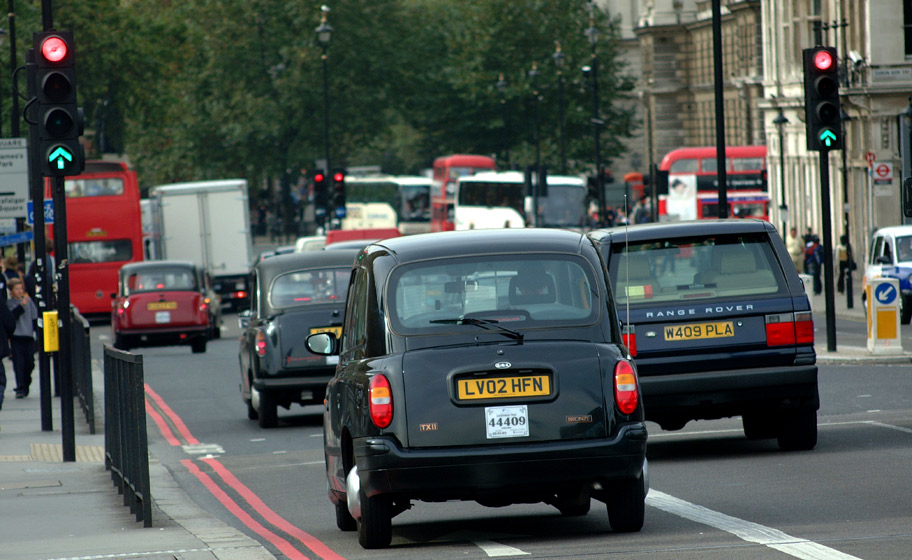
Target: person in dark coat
(22, 340)
(7, 327)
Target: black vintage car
(481, 365)
(293, 295)
(719, 324)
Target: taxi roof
(666, 230)
(480, 241)
(309, 259)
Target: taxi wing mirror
(883, 259)
(322, 344)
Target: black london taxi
(481, 365)
(293, 295)
(164, 303)
(719, 325)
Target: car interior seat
(548, 296)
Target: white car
(890, 256)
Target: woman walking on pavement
(7, 326)
(22, 342)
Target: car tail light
(788, 329)
(260, 343)
(381, 401)
(628, 335)
(240, 294)
(204, 305)
(626, 392)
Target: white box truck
(207, 222)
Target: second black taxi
(293, 295)
(481, 365)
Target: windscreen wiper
(486, 324)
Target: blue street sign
(48, 212)
(16, 238)
(885, 293)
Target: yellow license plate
(699, 331)
(335, 330)
(161, 305)
(503, 387)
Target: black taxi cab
(292, 296)
(481, 365)
(719, 325)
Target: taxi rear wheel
(375, 528)
(799, 431)
(344, 520)
(574, 504)
(627, 506)
(268, 412)
(198, 346)
(759, 426)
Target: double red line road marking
(168, 423)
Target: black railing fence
(80, 345)
(126, 441)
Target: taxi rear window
(454, 295)
(694, 269)
(308, 287)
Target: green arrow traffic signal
(60, 157)
(827, 137)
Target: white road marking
(746, 530)
(495, 549)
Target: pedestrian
(7, 326)
(795, 249)
(22, 342)
(813, 261)
(846, 262)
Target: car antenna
(627, 272)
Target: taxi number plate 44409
(507, 421)
(699, 330)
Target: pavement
(55, 510)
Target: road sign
(885, 293)
(870, 157)
(883, 173)
(16, 238)
(48, 212)
(14, 177)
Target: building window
(907, 26)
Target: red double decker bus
(447, 170)
(104, 231)
(693, 185)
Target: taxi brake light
(260, 343)
(626, 391)
(241, 294)
(381, 401)
(628, 336)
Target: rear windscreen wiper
(483, 323)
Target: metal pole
(850, 304)
(326, 113)
(780, 121)
(720, 107)
(67, 425)
(826, 239)
(533, 74)
(14, 113)
(561, 140)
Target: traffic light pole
(63, 320)
(826, 238)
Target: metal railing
(126, 441)
(80, 346)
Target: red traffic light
(54, 49)
(318, 178)
(823, 60)
(338, 177)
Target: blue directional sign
(885, 294)
(16, 238)
(48, 212)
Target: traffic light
(338, 195)
(821, 99)
(60, 121)
(321, 195)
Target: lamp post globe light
(780, 121)
(558, 57)
(324, 37)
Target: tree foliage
(214, 88)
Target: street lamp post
(780, 121)
(558, 57)
(502, 88)
(533, 75)
(324, 36)
(592, 72)
(844, 118)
